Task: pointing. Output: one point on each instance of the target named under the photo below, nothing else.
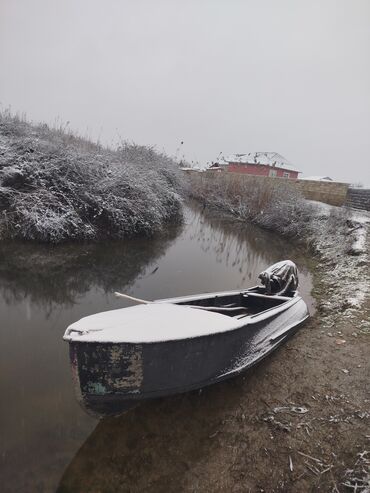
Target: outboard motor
(280, 278)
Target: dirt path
(298, 422)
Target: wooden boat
(169, 346)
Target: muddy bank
(298, 422)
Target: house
(257, 163)
(317, 178)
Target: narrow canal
(44, 289)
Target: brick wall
(359, 198)
(260, 170)
(330, 192)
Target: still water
(43, 289)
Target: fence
(358, 198)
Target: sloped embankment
(55, 186)
(337, 235)
(325, 448)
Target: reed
(57, 186)
(274, 204)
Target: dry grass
(270, 203)
(56, 186)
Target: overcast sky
(291, 76)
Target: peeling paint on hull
(112, 377)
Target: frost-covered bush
(56, 186)
(271, 203)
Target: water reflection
(61, 275)
(158, 446)
(43, 289)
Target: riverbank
(297, 422)
(56, 186)
(339, 239)
(337, 236)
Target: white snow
(266, 158)
(316, 178)
(360, 233)
(321, 208)
(359, 243)
(341, 236)
(149, 323)
(163, 320)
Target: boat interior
(239, 305)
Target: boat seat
(267, 296)
(221, 309)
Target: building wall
(260, 170)
(330, 192)
(359, 198)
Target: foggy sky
(289, 76)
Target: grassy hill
(56, 186)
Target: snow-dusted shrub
(271, 203)
(56, 186)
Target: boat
(155, 349)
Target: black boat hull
(112, 377)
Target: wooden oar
(127, 297)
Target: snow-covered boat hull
(111, 376)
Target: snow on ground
(341, 237)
